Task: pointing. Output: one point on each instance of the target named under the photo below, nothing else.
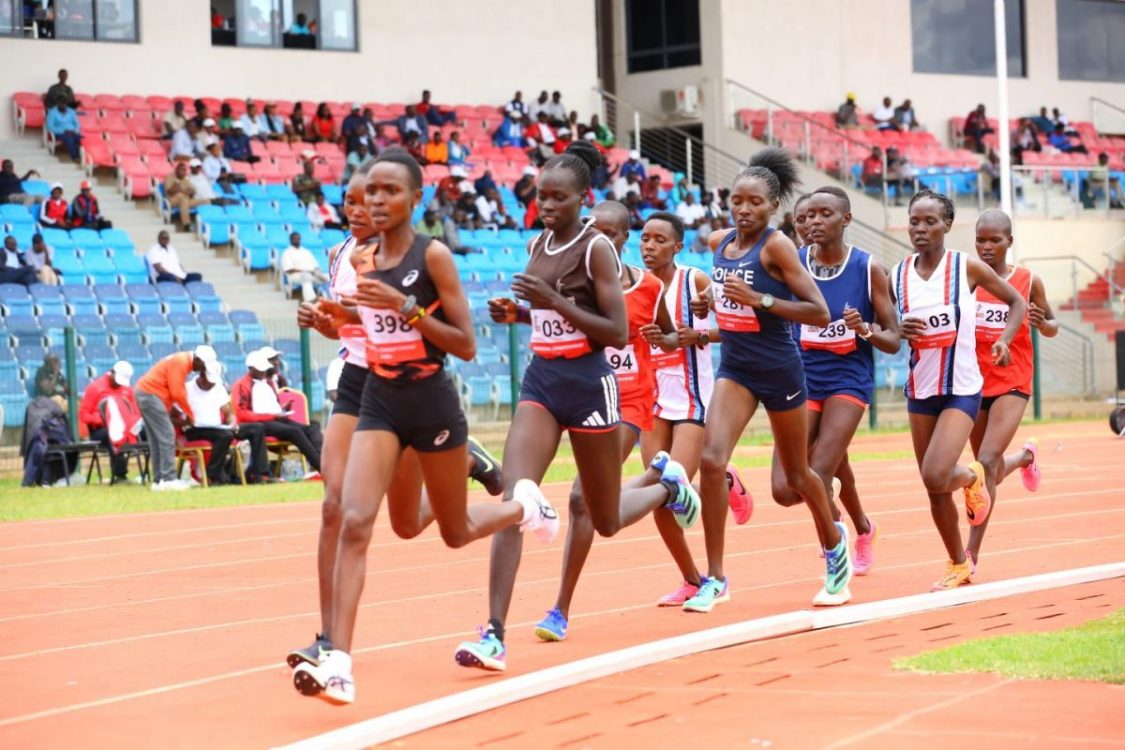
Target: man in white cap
(162, 398)
(256, 402)
(633, 166)
(274, 356)
(204, 189)
(236, 146)
(211, 419)
(110, 414)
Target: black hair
(676, 222)
(775, 167)
(363, 168)
(837, 193)
(399, 155)
(947, 209)
(580, 159)
(801, 199)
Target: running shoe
(487, 653)
(865, 549)
(741, 503)
(955, 575)
(711, 592)
(486, 469)
(312, 476)
(659, 461)
(1030, 473)
(331, 680)
(838, 564)
(314, 653)
(679, 596)
(978, 502)
(538, 514)
(684, 502)
(552, 627)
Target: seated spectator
(700, 243)
(353, 130)
(165, 261)
(226, 119)
(485, 182)
(788, 227)
(208, 132)
(556, 112)
(204, 190)
(60, 92)
(39, 257)
(899, 173)
(322, 215)
(300, 26)
(276, 129)
(378, 139)
(651, 194)
(716, 204)
(413, 143)
(540, 137)
(458, 152)
(354, 159)
(323, 124)
(976, 127)
(905, 117)
(1103, 184)
(449, 189)
(493, 214)
(211, 422)
(577, 129)
(680, 189)
(872, 174)
(236, 146)
(437, 151)
(184, 142)
(302, 269)
(50, 381)
(633, 206)
(256, 401)
(510, 131)
(991, 168)
(537, 106)
(85, 210)
(453, 235)
(55, 209)
(847, 116)
(465, 211)
(1026, 138)
(625, 185)
(633, 165)
(253, 123)
(162, 398)
(305, 185)
(277, 375)
(1060, 140)
(176, 119)
(563, 140)
(525, 187)
(691, 213)
(110, 413)
(297, 123)
(1058, 118)
(884, 115)
(11, 185)
(1042, 122)
(13, 268)
(430, 224)
(516, 106)
(434, 114)
(62, 123)
(602, 134)
(201, 114)
(411, 122)
(180, 192)
(216, 167)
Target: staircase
(1101, 303)
(142, 220)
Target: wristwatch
(767, 301)
(867, 335)
(704, 338)
(408, 304)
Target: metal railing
(1067, 355)
(1060, 192)
(1113, 290)
(1107, 116)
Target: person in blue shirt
(301, 25)
(510, 132)
(236, 146)
(633, 166)
(1060, 140)
(458, 151)
(62, 122)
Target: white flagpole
(1002, 109)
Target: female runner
(839, 360)
(577, 309)
(759, 289)
(1006, 389)
(933, 290)
(413, 312)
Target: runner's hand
(534, 290)
(1035, 316)
(377, 295)
(1001, 355)
(913, 328)
(853, 320)
(701, 305)
(502, 310)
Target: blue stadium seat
(54, 327)
(204, 297)
(123, 328)
(118, 240)
(293, 213)
(100, 269)
(254, 250)
(186, 329)
(334, 194)
(16, 215)
(112, 298)
(137, 355)
(253, 192)
(23, 329)
(228, 349)
(80, 299)
(14, 407)
(29, 356)
(174, 297)
(250, 331)
(218, 327)
(87, 240)
(289, 348)
(332, 237)
(214, 225)
(47, 299)
(161, 349)
(90, 328)
(144, 298)
(101, 356)
(72, 268)
(58, 240)
(277, 236)
(15, 300)
(280, 192)
(155, 328)
(131, 268)
(266, 215)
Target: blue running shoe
(684, 502)
(659, 461)
(711, 592)
(488, 653)
(838, 564)
(552, 627)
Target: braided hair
(580, 159)
(947, 209)
(399, 155)
(775, 167)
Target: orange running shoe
(955, 575)
(978, 503)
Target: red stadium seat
(115, 124)
(159, 103)
(145, 128)
(122, 145)
(95, 153)
(152, 148)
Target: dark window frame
(1066, 58)
(17, 30)
(1020, 26)
(279, 42)
(665, 50)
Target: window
(959, 37)
(662, 34)
(292, 24)
(1087, 30)
(100, 20)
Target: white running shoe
(331, 680)
(824, 599)
(538, 513)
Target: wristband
(422, 312)
(868, 335)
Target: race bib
(553, 336)
(733, 316)
(941, 326)
(992, 319)
(390, 339)
(624, 363)
(836, 337)
(662, 360)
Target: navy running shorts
(935, 405)
(776, 390)
(349, 391)
(425, 414)
(580, 393)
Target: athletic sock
(497, 628)
(673, 490)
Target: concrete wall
(463, 50)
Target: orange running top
(992, 317)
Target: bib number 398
(390, 339)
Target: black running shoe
(486, 469)
(313, 654)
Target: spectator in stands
(458, 152)
(537, 106)
(905, 117)
(416, 146)
(1060, 140)
(226, 120)
(60, 92)
(11, 185)
(1102, 183)
(297, 123)
(651, 194)
(85, 210)
(208, 131)
(1060, 119)
(680, 189)
(323, 124)
(699, 243)
(162, 397)
(449, 190)
(55, 209)
(302, 269)
(253, 124)
(633, 206)
(13, 268)
(300, 26)
(485, 182)
(847, 116)
(322, 215)
(110, 413)
(872, 174)
(276, 128)
(354, 159)
(510, 132)
(378, 140)
(516, 106)
(180, 193)
(492, 212)
(1026, 138)
(277, 376)
(465, 211)
(437, 151)
(201, 113)
(353, 129)
(211, 421)
(625, 185)
(564, 139)
(884, 115)
(898, 174)
(165, 261)
(305, 185)
(691, 213)
(184, 142)
(717, 209)
(236, 146)
(788, 227)
(556, 112)
(976, 127)
(50, 381)
(39, 257)
(541, 138)
(62, 123)
(430, 224)
(204, 190)
(175, 120)
(602, 133)
(217, 20)
(215, 165)
(256, 401)
(434, 114)
(411, 122)
(1042, 122)
(633, 165)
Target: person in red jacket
(110, 413)
(256, 401)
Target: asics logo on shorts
(410, 278)
(441, 437)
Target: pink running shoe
(1030, 473)
(865, 550)
(679, 596)
(741, 503)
